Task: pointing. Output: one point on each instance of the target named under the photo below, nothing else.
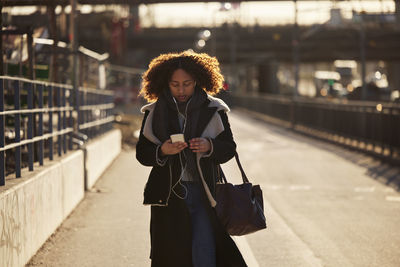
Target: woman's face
(181, 85)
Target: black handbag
(240, 208)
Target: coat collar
(205, 116)
(214, 102)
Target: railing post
(293, 113)
(41, 142)
(17, 128)
(392, 136)
(81, 114)
(30, 88)
(79, 102)
(104, 114)
(381, 135)
(71, 120)
(2, 125)
(110, 111)
(373, 129)
(74, 50)
(50, 104)
(59, 119)
(63, 104)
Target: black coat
(170, 226)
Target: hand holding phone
(177, 138)
(174, 145)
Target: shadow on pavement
(384, 172)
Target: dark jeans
(203, 238)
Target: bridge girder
(273, 43)
(114, 2)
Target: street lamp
(203, 37)
(200, 44)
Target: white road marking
(271, 187)
(275, 140)
(302, 249)
(246, 251)
(389, 190)
(393, 198)
(364, 189)
(299, 187)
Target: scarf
(166, 121)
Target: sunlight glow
(253, 13)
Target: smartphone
(177, 138)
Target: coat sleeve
(223, 146)
(148, 153)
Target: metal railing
(372, 127)
(96, 111)
(37, 118)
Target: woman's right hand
(169, 148)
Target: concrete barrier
(99, 155)
(32, 207)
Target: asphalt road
(325, 206)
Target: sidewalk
(117, 237)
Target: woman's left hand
(199, 144)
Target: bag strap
(244, 177)
(221, 174)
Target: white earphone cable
(183, 168)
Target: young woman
(184, 228)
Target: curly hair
(203, 68)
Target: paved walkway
(110, 227)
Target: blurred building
(255, 57)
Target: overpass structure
(249, 44)
(232, 42)
(112, 2)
